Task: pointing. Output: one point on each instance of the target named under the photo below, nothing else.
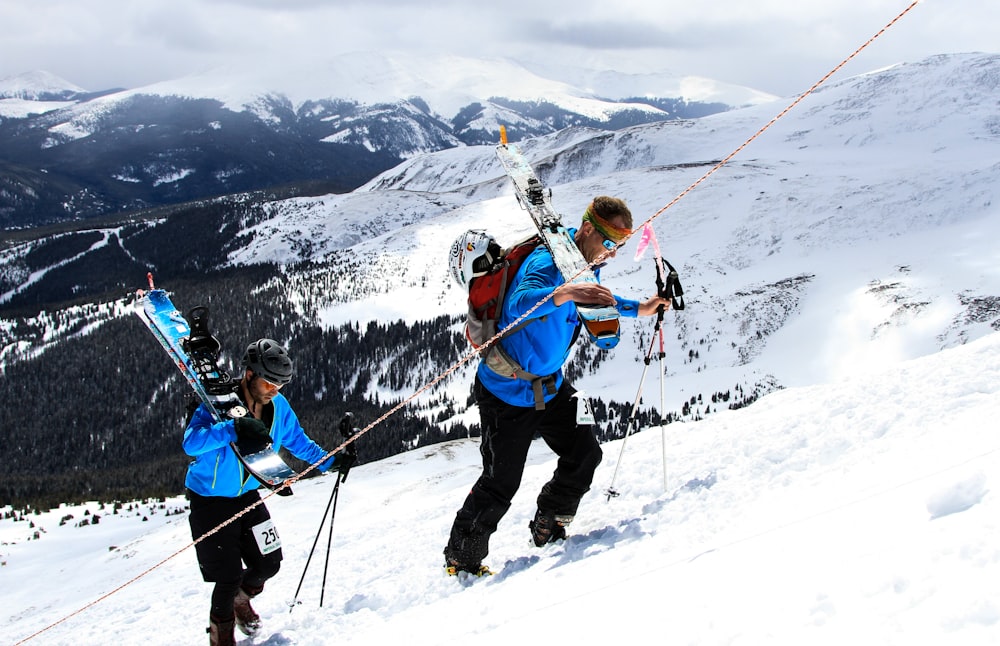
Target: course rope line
(757, 134)
(475, 352)
(136, 577)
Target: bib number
(584, 414)
(267, 537)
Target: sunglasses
(274, 385)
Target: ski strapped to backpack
(479, 264)
(195, 352)
(601, 321)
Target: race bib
(267, 537)
(584, 414)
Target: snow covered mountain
(855, 233)
(70, 155)
(37, 86)
(847, 258)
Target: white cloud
(777, 46)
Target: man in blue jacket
(508, 414)
(219, 488)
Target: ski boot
(548, 527)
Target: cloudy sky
(778, 46)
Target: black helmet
(269, 360)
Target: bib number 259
(267, 537)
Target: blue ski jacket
(216, 471)
(542, 346)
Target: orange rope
(473, 353)
(770, 123)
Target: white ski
(601, 321)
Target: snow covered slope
(861, 511)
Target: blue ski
(195, 356)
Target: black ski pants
(507, 432)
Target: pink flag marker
(647, 237)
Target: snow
(20, 94)
(31, 85)
(621, 85)
(71, 130)
(21, 108)
(842, 256)
(857, 511)
(173, 177)
(448, 83)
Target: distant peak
(37, 85)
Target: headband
(605, 228)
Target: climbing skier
(507, 406)
(243, 555)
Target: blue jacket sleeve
(539, 278)
(288, 432)
(627, 307)
(203, 434)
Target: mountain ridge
(338, 122)
(385, 77)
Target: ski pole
(662, 291)
(612, 492)
(329, 537)
(663, 426)
(670, 287)
(347, 430)
(667, 286)
(332, 503)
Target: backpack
(486, 297)
(487, 290)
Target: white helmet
(472, 254)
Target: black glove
(251, 431)
(346, 459)
(349, 456)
